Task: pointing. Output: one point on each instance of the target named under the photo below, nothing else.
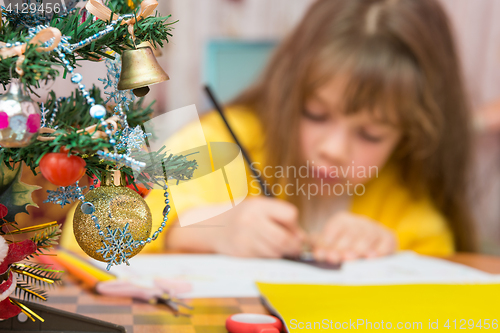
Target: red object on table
(253, 323)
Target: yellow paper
(425, 307)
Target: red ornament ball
(61, 169)
(141, 189)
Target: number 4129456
(463, 324)
(32, 8)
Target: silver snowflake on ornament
(132, 139)
(117, 247)
(63, 195)
(123, 97)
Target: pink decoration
(33, 123)
(4, 120)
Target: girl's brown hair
(398, 55)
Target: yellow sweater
(418, 225)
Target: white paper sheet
(224, 276)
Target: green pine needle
(37, 275)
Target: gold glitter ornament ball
(115, 206)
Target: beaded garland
(122, 159)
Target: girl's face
(340, 147)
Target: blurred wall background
(477, 31)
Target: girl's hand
(347, 236)
(261, 227)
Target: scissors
(158, 295)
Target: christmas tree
(95, 133)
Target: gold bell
(156, 50)
(139, 70)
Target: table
(208, 316)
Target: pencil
(82, 269)
(218, 107)
(306, 253)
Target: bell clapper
(141, 92)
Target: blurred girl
(368, 96)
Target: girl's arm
(258, 227)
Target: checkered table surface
(208, 316)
